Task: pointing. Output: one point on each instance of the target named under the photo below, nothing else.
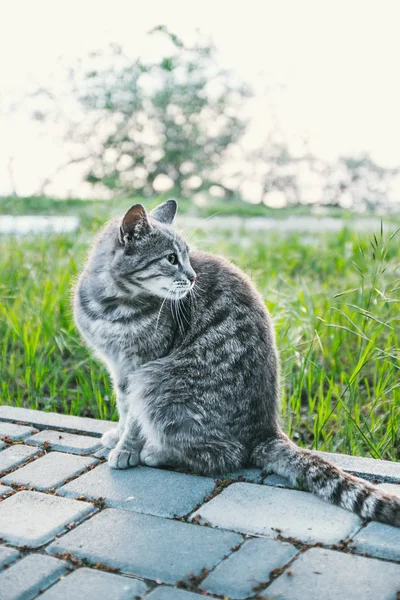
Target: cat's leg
(111, 437)
(126, 452)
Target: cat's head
(150, 255)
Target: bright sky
(328, 69)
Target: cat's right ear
(134, 224)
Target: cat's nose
(192, 277)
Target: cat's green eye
(172, 258)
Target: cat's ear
(134, 224)
(165, 213)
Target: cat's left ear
(165, 213)
(134, 224)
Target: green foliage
(334, 300)
(175, 117)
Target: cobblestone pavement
(71, 528)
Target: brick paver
(143, 489)
(390, 488)
(278, 481)
(267, 511)
(65, 442)
(4, 490)
(7, 556)
(15, 432)
(32, 519)
(365, 467)
(378, 540)
(45, 420)
(146, 546)
(49, 471)
(252, 475)
(179, 532)
(89, 584)
(325, 574)
(238, 575)
(27, 577)
(166, 593)
(15, 455)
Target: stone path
(72, 528)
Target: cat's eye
(172, 258)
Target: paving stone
(88, 584)
(263, 510)
(143, 489)
(382, 541)
(390, 488)
(49, 471)
(33, 519)
(4, 490)
(252, 475)
(146, 546)
(278, 481)
(29, 576)
(246, 568)
(15, 432)
(15, 455)
(368, 468)
(67, 442)
(333, 575)
(7, 556)
(167, 593)
(46, 420)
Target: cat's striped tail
(313, 473)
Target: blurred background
(275, 125)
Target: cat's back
(230, 351)
(227, 308)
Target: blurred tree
(142, 126)
(358, 182)
(151, 126)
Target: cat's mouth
(180, 293)
(180, 290)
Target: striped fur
(313, 473)
(191, 350)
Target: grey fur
(194, 362)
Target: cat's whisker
(191, 234)
(180, 313)
(182, 309)
(162, 305)
(177, 316)
(196, 289)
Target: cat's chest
(129, 342)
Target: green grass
(100, 210)
(335, 304)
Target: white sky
(330, 68)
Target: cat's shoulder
(218, 270)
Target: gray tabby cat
(191, 350)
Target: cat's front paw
(110, 438)
(123, 459)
